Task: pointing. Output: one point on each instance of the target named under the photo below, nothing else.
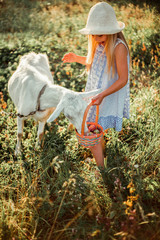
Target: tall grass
(53, 192)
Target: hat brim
(87, 31)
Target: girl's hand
(69, 57)
(97, 99)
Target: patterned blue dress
(114, 107)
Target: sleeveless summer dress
(114, 107)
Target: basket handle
(85, 115)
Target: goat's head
(73, 105)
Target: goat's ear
(90, 94)
(57, 111)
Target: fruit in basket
(90, 133)
(92, 128)
(96, 131)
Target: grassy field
(52, 193)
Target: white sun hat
(102, 20)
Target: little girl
(107, 63)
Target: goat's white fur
(24, 86)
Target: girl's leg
(98, 154)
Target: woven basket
(89, 141)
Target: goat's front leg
(20, 125)
(40, 132)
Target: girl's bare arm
(72, 57)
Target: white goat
(34, 94)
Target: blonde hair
(108, 49)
